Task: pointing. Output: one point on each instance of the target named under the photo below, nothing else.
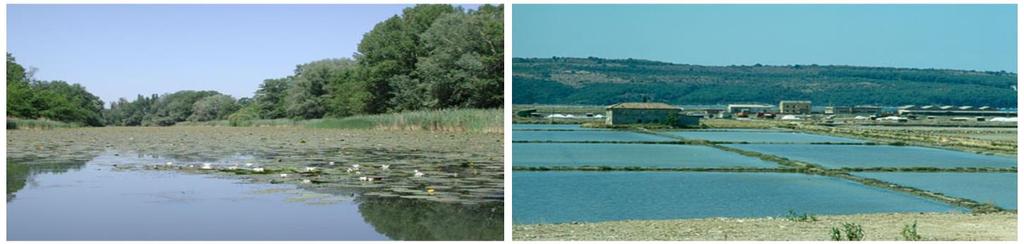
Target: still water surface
(96, 201)
(626, 155)
(996, 188)
(585, 135)
(559, 197)
(759, 136)
(863, 156)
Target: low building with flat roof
(647, 113)
(794, 107)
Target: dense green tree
(175, 107)
(216, 107)
(269, 99)
(392, 49)
(19, 93)
(464, 65)
(307, 97)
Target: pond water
(865, 156)
(585, 135)
(559, 197)
(101, 200)
(551, 127)
(996, 188)
(624, 155)
(760, 136)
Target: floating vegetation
(464, 168)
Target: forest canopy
(432, 56)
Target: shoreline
(877, 226)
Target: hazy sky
(977, 37)
(123, 50)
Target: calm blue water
(593, 135)
(551, 127)
(997, 188)
(558, 197)
(861, 156)
(95, 201)
(622, 155)
(759, 136)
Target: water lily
(331, 163)
(417, 173)
(284, 175)
(310, 169)
(355, 166)
(206, 166)
(169, 163)
(362, 178)
(257, 169)
(385, 166)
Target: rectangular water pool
(996, 188)
(559, 197)
(551, 127)
(760, 136)
(585, 135)
(866, 156)
(624, 155)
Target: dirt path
(886, 226)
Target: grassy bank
(13, 123)
(450, 120)
(457, 120)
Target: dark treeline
(429, 57)
(608, 81)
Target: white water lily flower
(307, 181)
(362, 178)
(417, 173)
(310, 169)
(284, 175)
(331, 163)
(206, 166)
(257, 169)
(355, 166)
(169, 163)
(248, 165)
(385, 166)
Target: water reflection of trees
(19, 172)
(410, 219)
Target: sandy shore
(886, 226)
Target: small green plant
(910, 232)
(853, 232)
(793, 216)
(836, 234)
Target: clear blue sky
(124, 50)
(974, 37)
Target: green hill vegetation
(599, 81)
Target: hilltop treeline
(429, 57)
(607, 81)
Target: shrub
(853, 232)
(793, 216)
(910, 232)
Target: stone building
(794, 107)
(647, 113)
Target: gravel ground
(885, 226)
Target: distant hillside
(608, 81)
